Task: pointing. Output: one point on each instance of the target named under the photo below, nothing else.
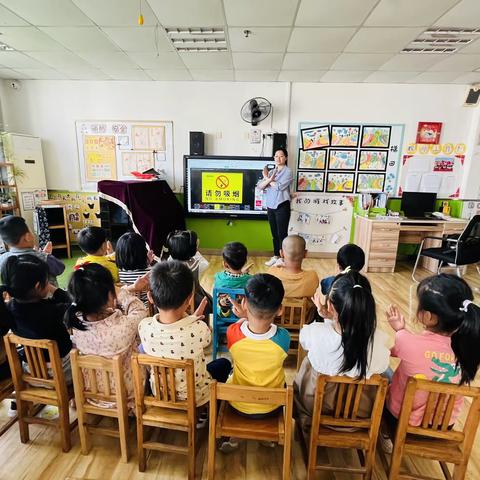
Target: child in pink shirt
(447, 351)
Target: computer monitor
(417, 204)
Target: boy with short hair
(172, 334)
(20, 240)
(93, 241)
(297, 282)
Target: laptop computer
(418, 205)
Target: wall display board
(440, 174)
(111, 150)
(348, 158)
(323, 220)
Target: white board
(125, 146)
(323, 219)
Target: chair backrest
(468, 247)
(348, 398)
(437, 418)
(231, 292)
(294, 313)
(40, 372)
(163, 372)
(98, 378)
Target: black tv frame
(219, 215)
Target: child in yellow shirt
(93, 241)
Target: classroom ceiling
(290, 40)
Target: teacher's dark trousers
(278, 219)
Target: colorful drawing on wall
(376, 137)
(342, 159)
(313, 159)
(373, 160)
(340, 182)
(345, 136)
(315, 137)
(429, 132)
(310, 181)
(100, 157)
(370, 182)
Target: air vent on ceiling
(442, 40)
(430, 50)
(452, 31)
(198, 39)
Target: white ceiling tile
(382, 40)
(300, 75)
(308, 61)
(172, 75)
(267, 13)
(201, 60)
(139, 39)
(344, 76)
(412, 62)
(19, 60)
(8, 18)
(468, 78)
(473, 47)
(85, 73)
(459, 62)
(337, 13)
(48, 12)
(153, 61)
(81, 39)
(363, 61)
(127, 75)
(116, 12)
(43, 74)
(188, 13)
(13, 74)
(319, 39)
(390, 77)
(260, 61)
(256, 75)
(407, 13)
(59, 60)
(464, 14)
(28, 39)
(212, 75)
(259, 40)
(434, 77)
(104, 60)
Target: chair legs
(64, 419)
(416, 264)
(22, 409)
(142, 458)
(83, 432)
(191, 453)
(123, 433)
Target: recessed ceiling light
(429, 50)
(198, 39)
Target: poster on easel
(323, 220)
(112, 150)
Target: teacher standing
(276, 185)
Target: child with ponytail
(446, 351)
(349, 343)
(105, 319)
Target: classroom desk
(380, 238)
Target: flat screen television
(224, 187)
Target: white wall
(49, 109)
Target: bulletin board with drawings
(111, 150)
(348, 158)
(83, 210)
(323, 220)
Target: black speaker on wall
(197, 143)
(279, 140)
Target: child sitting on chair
(171, 333)
(297, 282)
(234, 259)
(93, 241)
(258, 347)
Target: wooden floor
(42, 457)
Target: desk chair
(434, 438)
(220, 324)
(464, 250)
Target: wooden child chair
(100, 371)
(44, 384)
(296, 312)
(162, 409)
(344, 428)
(225, 422)
(434, 438)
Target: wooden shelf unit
(59, 234)
(8, 190)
